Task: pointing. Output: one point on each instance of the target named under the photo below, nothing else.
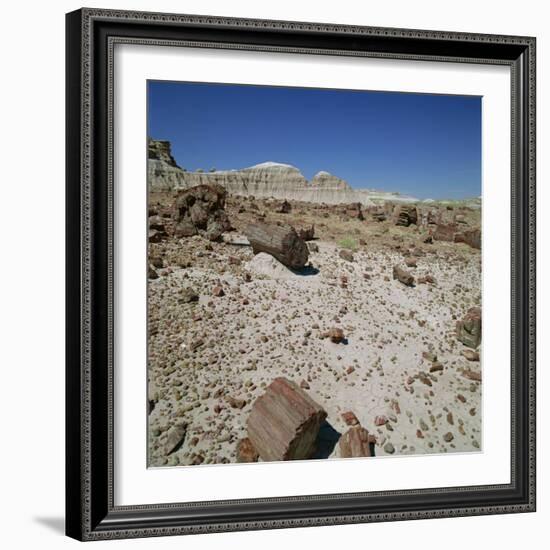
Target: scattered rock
(470, 354)
(188, 295)
(174, 438)
(468, 331)
(336, 335)
(448, 437)
(380, 420)
(246, 451)
(350, 419)
(403, 276)
(346, 255)
(218, 291)
(389, 448)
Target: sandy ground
(203, 353)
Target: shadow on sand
(326, 440)
(306, 271)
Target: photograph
(314, 269)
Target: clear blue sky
(428, 146)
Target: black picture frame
(90, 510)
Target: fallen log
(284, 422)
(281, 241)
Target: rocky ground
(224, 323)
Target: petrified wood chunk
(468, 331)
(281, 241)
(355, 443)
(402, 276)
(445, 232)
(405, 215)
(200, 208)
(284, 422)
(246, 451)
(471, 237)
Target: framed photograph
(300, 274)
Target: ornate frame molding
(91, 36)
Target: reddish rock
(405, 215)
(246, 451)
(236, 403)
(380, 420)
(218, 291)
(445, 232)
(284, 422)
(336, 335)
(350, 419)
(355, 443)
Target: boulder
(200, 208)
(468, 330)
(284, 422)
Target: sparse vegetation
(348, 242)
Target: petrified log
(445, 232)
(307, 233)
(405, 215)
(402, 276)
(468, 331)
(281, 241)
(355, 443)
(284, 422)
(472, 238)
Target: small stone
(448, 437)
(174, 438)
(246, 451)
(236, 403)
(470, 354)
(218, 291)
(389, 448)
(436, 367)
(380, 420)
(350, 419)
(336, 335)
(346, 255)
(188, 295)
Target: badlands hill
(265, 180)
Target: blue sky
(428, 146)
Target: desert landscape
(291, 319)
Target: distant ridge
(265, 180)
